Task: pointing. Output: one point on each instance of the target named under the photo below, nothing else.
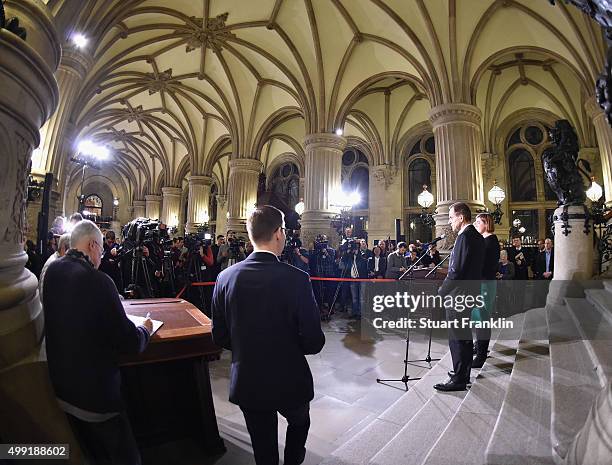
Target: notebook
(139, 320)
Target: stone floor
(347, 396)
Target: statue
(601, 11)
(11, 24)
(562, 166)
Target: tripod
(331, 306)
(139, 265)
(194, 274)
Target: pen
(148, 315)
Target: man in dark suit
(265, 312)
(463, 279)
(544, 264)
(521, 258)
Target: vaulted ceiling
(179, 87)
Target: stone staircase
(525, 407)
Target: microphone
(435, 241)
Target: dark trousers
(483, 337)
(461, 346)
(110, 442)
(263, 428)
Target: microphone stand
(405, 378)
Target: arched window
(356, 175)
(419, 175)
(285, 183)
(522, 176)
(530, 196)
(93, 204)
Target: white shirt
(266, 251)
(376, 260)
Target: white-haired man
(62, 247)
(86, 330)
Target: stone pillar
(221, 227)
(385, 189)
(573, 255)
(29, 95)
(604, 141)
(70, 76)
(153, 204)
(323, 177)
(140, 209)
(130, 212)
(171, 206)
(242, 191)
(197, 204)
(456, 128)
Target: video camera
(350, 244)
(201, 238)
(292, 241)
(142, 229)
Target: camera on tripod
(292, 242)
(349, 245)
(201, 238)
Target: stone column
(197, 203)
(29, 95)
(242, 191)
(140, 209)
(153, 204)
(604, 141)
(221, 227)
(456, 128)
(573, 255)
(385, 189)
(70, 75)
(171, 206)
(130, 212)
(323, 177)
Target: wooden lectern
(167, 388)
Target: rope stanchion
(178, 296)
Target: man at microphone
(463, 279)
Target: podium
(167, 388)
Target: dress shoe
(478, 361)
(450, 386)
(450, 373)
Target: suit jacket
(539, 265)
(465, 265)
(521, 271)
(382, 266)
(360, 260)
(395, 261)
(265, 312)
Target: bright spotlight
(90, 149)
(339, 132)
(79, 40)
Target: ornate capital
(324, 140)
(171, 191)
(197, 180)
(385, 174)
(593, 109)
(152, 198)
(245, 164)
(139, 203)
(455, 113)
(221, 200)
(75, 61)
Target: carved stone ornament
(161, 81)
(213, 35)
(221, 200)
(562, 166)
(385, 174)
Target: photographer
(232, 252)
(110, 262)
(295, 254)
(356, 266)
(323, 265)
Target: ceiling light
(79, 40)
(339, 132)
(89, 149)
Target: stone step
(596, 332)
(608, 285)
(416, 439)
(574, 381)
(365, 444)
(602, 301)
(521, 435)
(474, 421)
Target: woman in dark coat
(485, 225)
